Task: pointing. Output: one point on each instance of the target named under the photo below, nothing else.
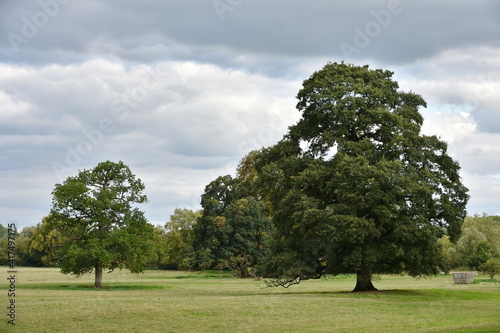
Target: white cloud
(176, 124)
(451, 127)
(460, 80)
(485, 194)
(11, 108)
(477, 152)
(460, 86)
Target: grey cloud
(488, 118)
(152, 31)
(190, 119)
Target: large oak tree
(97, 223)
(355, 186)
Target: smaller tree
(4, 246)
(4, 251)
(447, 252)
(491, 267)
(3, 231)
(97, 222)
(480, 255)
(234, 228)
(475, 230)
(180, 236)
(24, 255)
(44, 243)
(161, 248)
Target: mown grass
(167, 301)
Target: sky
(181, 90)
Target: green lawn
(168, 301)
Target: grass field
(170, 301)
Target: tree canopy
(480, 234)
(96, 223)
(233, 230)
(180, 237)
(355, 186)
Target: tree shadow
(87, 287)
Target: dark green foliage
(233, 230)
(354, 186)
(96, 222)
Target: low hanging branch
(285, 283)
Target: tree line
(175, 247)
(353, 187)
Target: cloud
(174, 123)
(485, 193)
(462, 80)
(394, 31)
(477, 152)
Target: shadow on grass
(390, 292)
(345, 293)
(428, 295)
(400, 295)
(91, 287)
(476, 281)
(198, 275)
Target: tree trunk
(244, 273)
(364, 281)
(98, 276)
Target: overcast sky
(181, 90)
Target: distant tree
(4, 251)
(97, 222)
(4, 245)
(448, 253)
(44, 242)
(475, 230)
(211, 233)
(3, 231)
(491, 267)
(233, 230)
(355, 187)
(180, 236)
(488, 230)
(480, 255)
(466, 244)
(24, 256)
(161, 248)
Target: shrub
(491, 267)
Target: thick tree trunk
(98, 276)
(364, 281)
